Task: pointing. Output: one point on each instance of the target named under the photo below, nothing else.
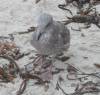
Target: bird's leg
(46, 69)
(34, 64)
(38, 61)
(42, 67)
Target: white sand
(19, 15)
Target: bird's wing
(38, 34)
(64, 32)
(65, 35)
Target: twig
(4, 37)
(75, 29)
(84, 92)
(78, 78)
(24, 32)
(22, 55)
(89, 19)
(61, 89)
(78, 92)
(62, 7)
(91, 74)
(26, 76)
(77, 69)
(22, 87)
(83, 73)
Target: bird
(51, 37)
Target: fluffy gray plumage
(51, 37)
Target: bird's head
(44, 20)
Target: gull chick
(51, 37)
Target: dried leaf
(1, 71)
(10, 77)
(97, 65)
(10, 49)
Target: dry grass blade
(37, 1)
(62, 7)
